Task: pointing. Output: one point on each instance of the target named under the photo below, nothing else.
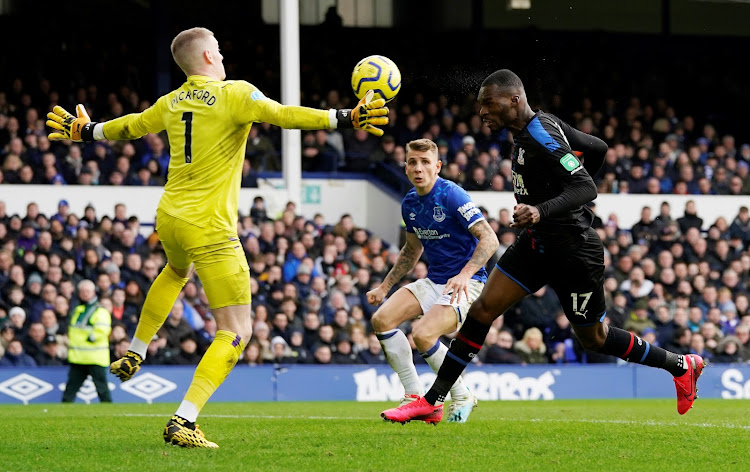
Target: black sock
(631, 348)
(467, 344)
(182, 421)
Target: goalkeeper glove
(78, 129)
(366, 115)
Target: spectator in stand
(344, 353)
(49, 357)
(374, 353)
(680, 341)
(498, 348)
(728, 351)
(359, 146)
(639, 319)
(15, 357)
(690, 219)
(296, 343)
(740, 227)
(645, 229)
(175, 327)
(17, 316)
(531, 348)
(698, 346)
(322, 354)
(32, 341)
(282, 354)
(260, 151)
(743, 335)
(252, 354)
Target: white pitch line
(630, 422)
(526, 420)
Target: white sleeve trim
(99, 131)
(333, 123)
(475, 222)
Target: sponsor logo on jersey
(570, 163)
(438, 214)
(429, 233)
(520, 160)
(257, 95)
(519, 188)
(467, 210)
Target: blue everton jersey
(441, 219)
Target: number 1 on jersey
(187, 117)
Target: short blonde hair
(532, 333)
(424, 145)
(182, 42)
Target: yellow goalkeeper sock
(216, 364)
(157, 306)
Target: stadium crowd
(652, 149)
(680, 283)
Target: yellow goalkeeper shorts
(217, 254)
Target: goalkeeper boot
(686, 384)
(460, 409)
(127, 366)
(418, 410)
(183, 433)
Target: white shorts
(428, 293)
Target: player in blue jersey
(557, 247)
(442, 221)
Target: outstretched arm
(368, 114)
(134, 125)
(486, 247)
(407, 258)
(81, 128)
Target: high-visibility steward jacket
(88, 335)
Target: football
(376, 73)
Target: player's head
(422, 164)
(196, 51)
(502, 99)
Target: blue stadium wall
(368, 383)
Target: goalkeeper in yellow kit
(207, 120)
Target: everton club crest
(438, 214)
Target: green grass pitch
(601, 435)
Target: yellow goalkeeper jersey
(207, 122)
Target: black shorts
(573, 266)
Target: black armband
(344, 119)
(87, 132)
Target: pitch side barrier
(155, 384)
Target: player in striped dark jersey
(557, 247)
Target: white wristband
(333, 123)
(99, 131)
